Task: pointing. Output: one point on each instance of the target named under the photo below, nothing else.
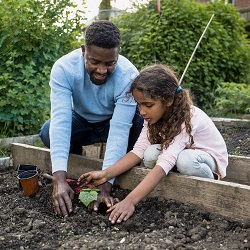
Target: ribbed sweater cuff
(59, 165)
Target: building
(242, 5)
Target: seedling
(88, 195)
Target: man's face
(100, 62)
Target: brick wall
(242, 4)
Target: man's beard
(97, 81)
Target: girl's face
(151, 110)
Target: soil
(30, 223)
(237, 138)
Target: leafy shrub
(247, 28)
(33, 35)
(223, 54)
(233, 99)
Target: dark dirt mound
(29, 223)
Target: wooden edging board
(225, 198)
(30, 139)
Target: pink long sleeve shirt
(206, 137)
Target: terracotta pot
(29, 182)
(25, 167)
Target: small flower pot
(25, 167)
(29, 182)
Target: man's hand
(103, 197)
(121, 211)
(62, 194)
(96, 178)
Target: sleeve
(167, 159)
(142, 143)
(61, 118)
(121, 122)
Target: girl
(175, 130)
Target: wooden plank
(230, 122)
(221, 197)
(96, 150)
(238, 170)
(4, 162)
(224, 198)
(30, 139)
(27, 154)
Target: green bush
(33, 35)
(233, 99)
(223, 54)
(247, 28)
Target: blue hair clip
(179, 89)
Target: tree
(223, 55)
(33, 34)
(104, 10)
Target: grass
(5, 152)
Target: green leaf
(88, 195)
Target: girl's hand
(121, 211)
(94, 178)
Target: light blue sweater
(71, 88)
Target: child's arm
(124, 209)
(97, 178)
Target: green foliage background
(33, 35)
(234, 99)
(223, 55)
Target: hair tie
(179, 89)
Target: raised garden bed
(182, 213)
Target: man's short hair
(104, 34)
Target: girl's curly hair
(159, 81)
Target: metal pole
(195, 49)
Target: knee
(151, 155)
(184, 161)
(193, 162)
(44, 133)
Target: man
(90, 104)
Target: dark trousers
(84, 133)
